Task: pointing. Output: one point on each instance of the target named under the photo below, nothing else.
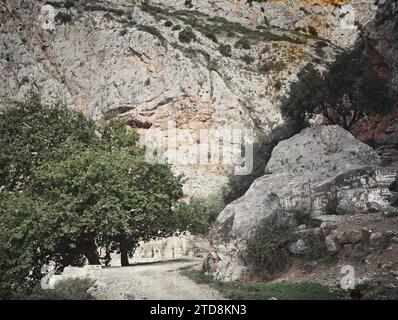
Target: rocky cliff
(196, 65)
(322, 174)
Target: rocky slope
(128, 58)
(321, 182)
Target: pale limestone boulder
(319, 166)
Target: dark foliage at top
(348, 91)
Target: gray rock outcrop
(321, 171)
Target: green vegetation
(347, 92)
(153, 31)
(214, 27)
(63, 18)
(248, 59)
(243, 43)
(199, 215)
(80, 187)
(331, 206)
(271, 66)
(69, 3)
(265, 291)
(98, 7)
(225, 50)
(186, 36)
(317, 247)
(168, 24)
(30, 133)
(69, 289)
(267, 248)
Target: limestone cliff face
(380, 38)
(130, 59)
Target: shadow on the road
(158, 262)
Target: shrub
(69, 289)
(248, 59)
(305, 217)
(225, 50)
(268, 66)
(278, 85)
(69, 4)
(186, 36)
(168, 23)
(176, 27)
(312, 31)
(188, 3)
(243, 43)
(198, 216)
(153, 31)
(63, 18)
(331, 206)
(211, 36)
(267, 248)
(316, 246)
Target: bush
(69, 4)
(248, 59)
(63, 18)
(168, 23)
(225, 50)
(312, 31)
(331, 206)
(186, 36)
(69, 289)
(267, 248)
(243, 43)
(316, 246)
(268, 66)
(188, 3)
(153, 31)
(198, 216)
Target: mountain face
(183, 64)
(340, 184)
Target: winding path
(160, 280)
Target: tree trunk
(124, 258)
(90, 251)
(92, 257)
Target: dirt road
(161, 280)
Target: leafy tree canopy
(30, 132)
(345, 93)
(88, 188)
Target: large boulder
(321, 171)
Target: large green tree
(30, 132)
(90, 191)
(346, 92)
